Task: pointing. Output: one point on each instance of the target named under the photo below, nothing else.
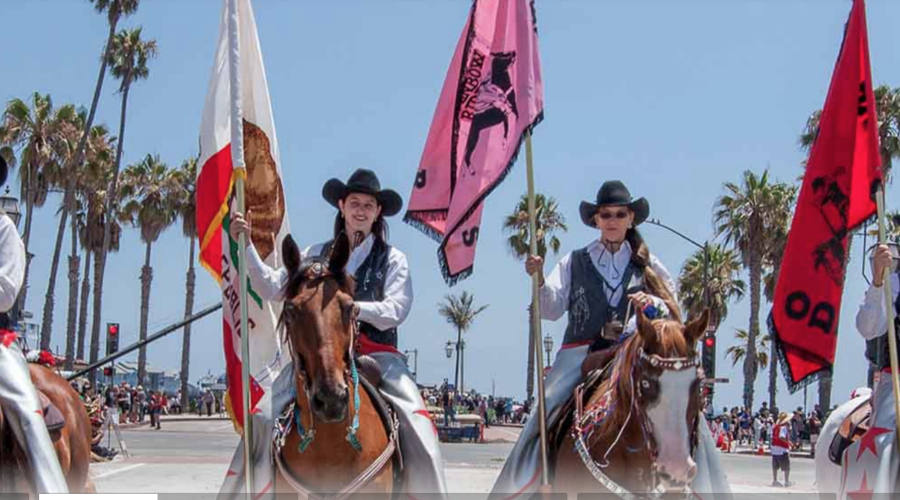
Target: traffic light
(108, 372)
(112, 338)
(708, 358)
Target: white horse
(828, 475)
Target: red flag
(492, 97)
(837, 195)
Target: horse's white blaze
(669, 420)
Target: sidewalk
(184, 417)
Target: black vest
(370, 277)
(589, 307)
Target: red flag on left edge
(838, 194)
(264, 196)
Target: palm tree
(29, 129)
(115, 10)
(548, 221)
(887, 104)
(723, 281)
(66, 128)
(187, 209)
(91, 195)
(739, 351)
(784, 196)
(745, 217)
(128, 57)
(459, 312)
(149, 194)
(94, 216)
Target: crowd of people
(492, 410)
(739, 427)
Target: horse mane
(621, 382)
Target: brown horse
(318, 454)
(636, 433)
(72, 442)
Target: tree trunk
(146, 280)
(773, 375)
(74, 264)
(529, 377)
(111, 194)
(186, 341)
(825, 394)
(750, 363)
(99, 268)
(49, 299)
(83, 308)
(462, 368)
(458, 347)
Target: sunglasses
(618, 215)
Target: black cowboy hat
(614, 193)
(4, 171)
(363, 181)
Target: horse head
(319, 321)
(667, 395)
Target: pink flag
(492, 97)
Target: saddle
(852, 428)
(370, 370)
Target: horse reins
(581, 417)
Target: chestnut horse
(72, 442)
(334, 441)
(636, 433)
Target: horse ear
(290, 253)
(340, 254)
(644, 326)
(696, 328)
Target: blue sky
(673, 97)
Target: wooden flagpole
(889, 309)
(237, 159)
(536, 316)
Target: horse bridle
(321, 272)
(657, 362)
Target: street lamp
(548, 347)
(704, 247)
(459, 347)
(10, 205)
(448, 349)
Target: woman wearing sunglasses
(599, 286)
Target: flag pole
(889, 308)
(237, 159)
(536, 315)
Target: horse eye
(645, 384)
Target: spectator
(815, 427)
(781, 450)
(744, 426)
(207, 402)
(797, 428)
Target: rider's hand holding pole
(881, 260)
(535, 264)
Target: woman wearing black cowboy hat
(598, 287)
(384, 295)
(18, 398)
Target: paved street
(192, 456)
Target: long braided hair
(654, 285)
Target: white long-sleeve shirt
(554, 295)
(12, 263)
(385, 314)
(871, 321)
